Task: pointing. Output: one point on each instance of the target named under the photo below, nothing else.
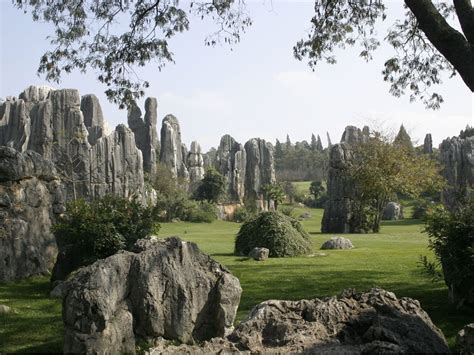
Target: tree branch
(448, 41)
(465, 14)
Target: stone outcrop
(195, 163)
(457, 157)
(392, 212)
(428, 144)
(165, 288)
(69, 131)
(30, 198)
(340, 212)
(337, 243)
(231, 162)
(260, 170)
(465, 339)
(171, 153)
(259, 254)
(146, 136)
(353, 323)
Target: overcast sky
(256, 90)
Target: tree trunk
(452, 44)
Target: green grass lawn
(302, 186)
(388, 259)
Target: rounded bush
(282, 235)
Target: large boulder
(165, 288)
(372, 322)
(465, 339)
(337, 243)
(30, 198)
(393, 211)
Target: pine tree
(319, 144)
(313, 142)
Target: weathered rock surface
(171, 153)
(457, 157)
(215, 346)
(353, 135)
(465, 339)
(370, 322)
(5, 309)
(69, 131)
(337, 243)
(231, 162)
(166, 288)
(260, 170)
(30, 197)
(195, 163)
(146, 136)
(428, 144)
(393, 211)
(259, 254)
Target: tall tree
(403, 139)
(288, 142)
(314, 142)
(425, 43)
(319, 144)
(278, 150)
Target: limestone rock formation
(457, 158)
(359, 323)
(337, 243)
(195, 163)
(260, 169)
(393, 211)
(171, 153)
(231, 162)
(465, 339)
(146, 136)
(69, 131)
(428, 144)
(166, 288)
(353, 135)
(30, 198)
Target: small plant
(432, 269)
(287, 210)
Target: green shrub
(421, 208)
(96, 230)
(201, 212)
(451, 237)
(282, 235)
(242, 214)
(287, 210)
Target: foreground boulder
(465, 340)
(353, 323)
(371, 322)
(166, 288)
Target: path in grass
(388, 259)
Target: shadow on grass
(402, 222)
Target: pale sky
(256, 90)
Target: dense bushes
(179, 206)
(89, 231)
(282, 235)
(451, 237)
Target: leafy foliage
(316, 189)
(282, 235)
(381, 169)
(425, 44)
(242, 214)
(211, 188)
(87, 35)
(273, 192)
(451, 237)
(102, 227)
(178, 206)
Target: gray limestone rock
(259, 254)
(354, 135)
(165, 288)
(357, 323)
(393, 211)
(457, 158)
(30, 193)
(231, 162)
(146, 136)
(195, 163)
(93, 117)
(337, 243)
(260, 170)
(171, 153)
(465, 340)
(428, 144)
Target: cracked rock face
(195, 163)
(171, 153)
(166, 288)
(30, 198)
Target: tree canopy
(88, 35)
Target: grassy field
(302, 186)
(388, 259)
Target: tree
(316, 189)
(88, 35)
(403, 139)
(314, 142)
(319, 144)
(273, 192)
(289, 190)
(278, 150)
(288, 142)
(380, 169)
(211, 187)
(426, 44)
